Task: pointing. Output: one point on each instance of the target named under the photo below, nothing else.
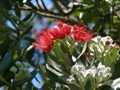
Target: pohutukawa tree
(59, 44)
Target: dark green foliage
(104, 14)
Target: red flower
(44, 41)
(61, 30)
(66, 29)
(81, 34)
(79, 28)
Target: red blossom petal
(43, 41)
(81, 34)
(61, 30)
(57, 33)
(79, 28)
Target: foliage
(21, 65)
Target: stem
(38, 4)
(43, 13)
(48, 14)
(83, 50)
(44, 5)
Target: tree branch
(44, 13)
(44, 5)
(49, 14)
(38, 4)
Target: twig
(84, 49)
(38, 4)
(49, 14)
(44, 5)
(44, 13)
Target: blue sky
(48, 3)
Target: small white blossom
(78, 69)
(101, 71)
(71, 79)
(96, 45)
(107, 40)
(92, 71)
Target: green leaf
(54, 77)
(111, 57)
(6, 63)
(58, 52)
(90, 83)
(21, 75)
(64, 47)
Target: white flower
(107, 40)
(92, 71)
(71, 79)
(99, 47)
(101, 71)
(96, 45)
(78, 67)
(79, 70)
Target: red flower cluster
(61, 30)
(45, 39)
(81, 34)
